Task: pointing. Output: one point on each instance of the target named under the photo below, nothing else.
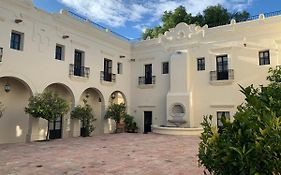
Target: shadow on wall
(14, 95)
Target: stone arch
(96, 100)
(14, 95)
(117, 97)
(65, 128)
(62, 90)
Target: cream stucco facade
(182, 96)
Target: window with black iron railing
(222, 75)
(147, 80)
(79, 71)
(107, 77)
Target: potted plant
(117, 112)
(85, 115)
(130, 124)
(48, 106)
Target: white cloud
(116, 13)
(141, 27)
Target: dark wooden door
(78, 63)
(55, 128)
(222, 67)
(148, 73)
(147, 121)
(107, 69)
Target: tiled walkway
(114, 154)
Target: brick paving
(112, 154)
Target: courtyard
(112, 154)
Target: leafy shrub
(130, 124)
(251, 144)
(85, 115)
(116, 112)
(47, 105)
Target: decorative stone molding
(222, 106)
(183, 31)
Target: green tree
(85, 115)
(216, 15)
(251, 144)
(130, 124)
(47, 105)
(117, 112)
(212, 16)
(240, 16)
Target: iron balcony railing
(222, 75)
(147, 80)
(100, 27)
(105, 76)
(80, 71)
(251, 18)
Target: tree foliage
(85, 115)
(130, 124)
(251, 144)
(212, 16)
(116, 112)
(47, 105)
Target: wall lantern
(65, 36)
(99, 99)
(122, 56)
(18, 21)
(113, 96)
(7, 87)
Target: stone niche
(178, 112)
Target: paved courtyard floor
(113, 154)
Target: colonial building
(175, 79)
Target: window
(59, 55)
(226, 114)
(119, 68)
(148, 78)
(165, 68)
(107, 70)
(222, 67)
(16, 40)
(78, 63)
(200, 64)
(264, 57)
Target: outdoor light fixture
(65, 36)
(112, 96)
(7, 87)
(122, 56)
(99, 99)
(18, 21)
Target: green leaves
(212, 16)
(47, 105)
(85, 115)
(116, 112)
(251, 144)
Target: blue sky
(130, 17)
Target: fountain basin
(170, 130)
